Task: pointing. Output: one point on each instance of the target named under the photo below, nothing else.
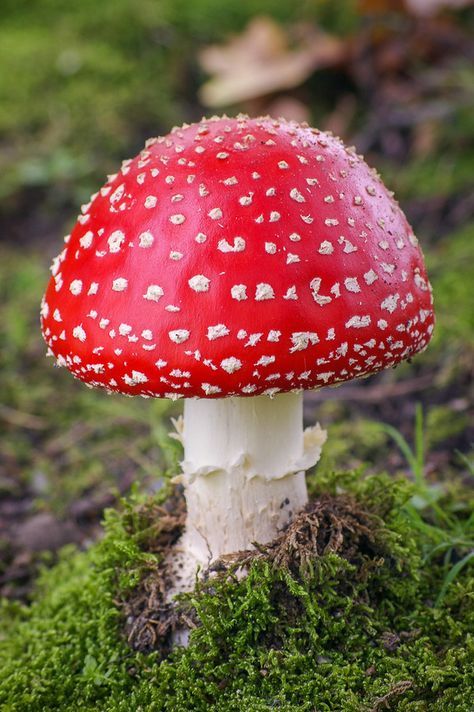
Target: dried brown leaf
(265, 59)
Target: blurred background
(82, 85)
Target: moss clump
(353, 628)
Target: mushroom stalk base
(243, 471)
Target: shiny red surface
(311, 218)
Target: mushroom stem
(243, 471)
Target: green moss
(350, 635)
(451, 271)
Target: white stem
(243, 471)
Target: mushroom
(235, 263)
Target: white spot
(241, 334)
(239, 292)
(177, 219)
(145, 239)
(115, 240)
(296, 195)
(326, 248)
(302, 339)
(179, 335)
(147, 334)
(136, 378)
(265, 360)
(254, 339)
(283, 165)
(312, 181)
(118, 192)
(270, 247)
(291, 293)
(349, 247)
(264, 291)
(382, 324)
(178, 373)
(153, 293)
(160, 363)
(238, 246)
(274, 216)
(370, 277)
(273, 335)
(331, 222)
(390, 303)
(200, 237)
(199, 283)
(250, 388)
(246, 200)
(217, 331)
(215, 214)
(307, 219)
(351, 284)
(291, 258)
(79, 333)
(119, 284)
(358, 322)
(125, 329)
(86, 240)
(150, 201)
(294, 237)
(231, 364)
(388, 267)
(270, 192)
(331, 335)
(230, 181)
(176, 255)
(57, 315)
(222, 155)
(420, 281)
(325, 377)
(315, 286)
(103, 323)
(210, 390)
(203, 191)
(75, 287)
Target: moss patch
(353, 627)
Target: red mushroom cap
(238, 257)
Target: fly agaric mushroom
(236, 263)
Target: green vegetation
(349, 631)
(115, 72)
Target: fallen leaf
(265, 59)
(431, 7)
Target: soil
(328, 524)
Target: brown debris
(384, 703)
(329, 524)
(391, 641)
(149, 618)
